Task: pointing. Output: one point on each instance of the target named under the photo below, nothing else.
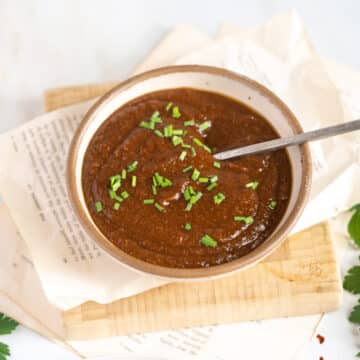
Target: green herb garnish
(252, 185)
(7, 325)
(189, 123)
(98, 206)
(182, 156)
(272, 204)
(158, 133)
(186, 146)
(176, 112)
(178, 132)
(113, 195)
(168, 130)
(116, 206)
(248, 220)
(133, 181)
(193, 151)
(187, 226)
(212, 186)
(4, 351)
(203, 180)
(208, 241)
(132, 166)
(195, 175)
(147, 125)
(124, 195)
(188, 206)
(354, 225)
(205, 125)
(217, 164)
(159, 207)
(214, 178)
(123, 174)
(161, 181)
(155, 117)
(149, 201)
(219, 198)
(176, 140)
(187, 168)
(168, 106)
(115, 182)
(201, 145)
(154, 189)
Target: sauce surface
(233, 208)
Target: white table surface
(46, 43)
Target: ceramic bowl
(207, 78)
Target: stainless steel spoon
(276, 144)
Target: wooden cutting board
(299, 278)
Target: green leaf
(355, 315)
(358, 355)
(357, 208)
(354, 225)
(7, 325)
(4, 351)
(352, 280)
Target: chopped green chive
(149, 201)
(187, 168)
(195, 198)
(206, 148)
(248, 220)
(252, 185)
(155, 117)
(159, 207)
(208, 241)
(115, 182)
(217, 164)
(116, 206)
(189, 123)
(186, 146)
(113, 195)
(219, 198)
(154, 189)
(205, 125)
(188, 206)
(178, 132)
(187, 226)
(176, 112)
(147, 125)
(182, 156)
(158, 133)
(189, 192)
(211, 186)
(98, 206)
(214, 179)
(123, 174)
(124, 194)
(168, 106)
(195, 175)
(197, 142)
(202, 145)
(176, 140)
(161, 181)
(133, 181)
(203, 180)
(193, 151)
(272, 204)
(132, 166)
(168, 130)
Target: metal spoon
(290, 140)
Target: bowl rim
(254, 256)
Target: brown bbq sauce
(254, 189)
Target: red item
(320, 338)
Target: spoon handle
(290, 140)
